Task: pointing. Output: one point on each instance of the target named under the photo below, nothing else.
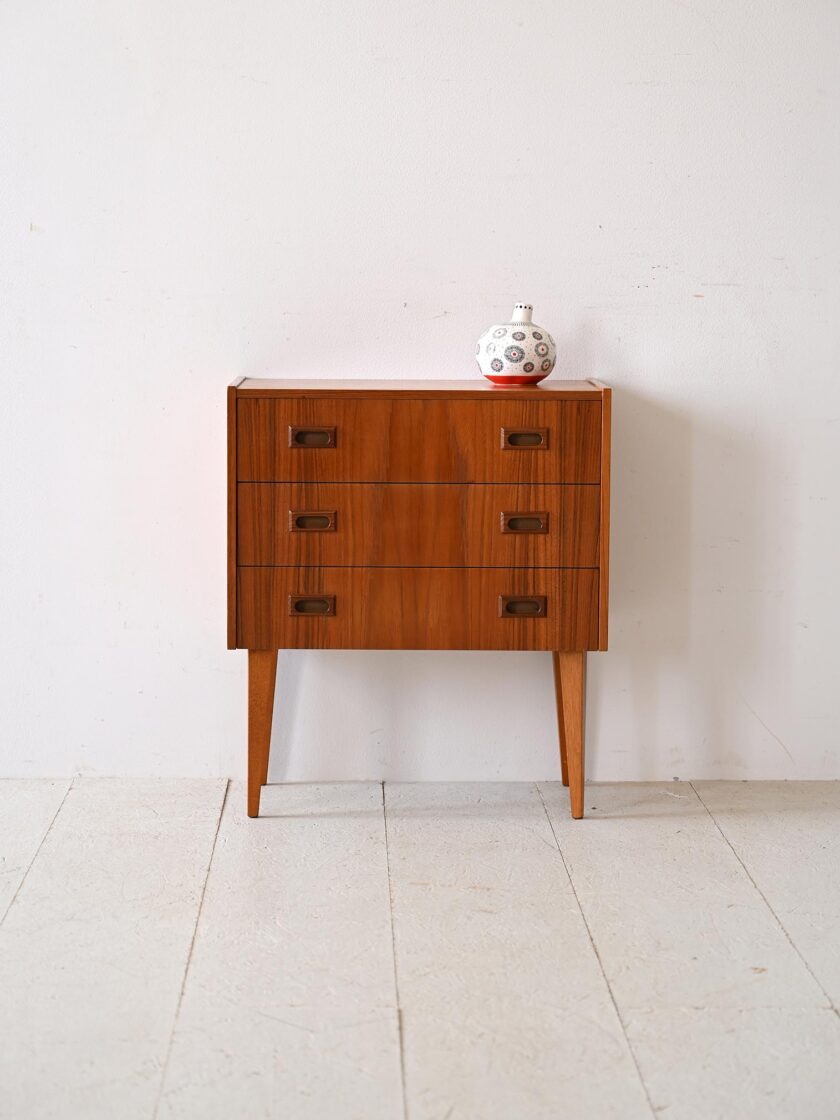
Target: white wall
(190, 191)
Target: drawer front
(371, 440)
(395, 524)
(417, 608)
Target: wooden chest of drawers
(418, 515)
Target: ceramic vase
(518, 352)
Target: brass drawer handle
(311, 521)
(311, 437)
(518, 439)
(522, 606)
(309, 605)
(512, 522)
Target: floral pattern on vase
(518, 352)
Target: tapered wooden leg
(558, 693)
(262, 673)
(570, 680)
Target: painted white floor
(422, 952)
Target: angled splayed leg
(570, 686)
(262, 673)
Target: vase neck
(522, 313)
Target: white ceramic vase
(518, 352)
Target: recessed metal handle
(519, 439)
(522, 606)
(309, 605)
(311, 521)
(311, 437)
(514, 522)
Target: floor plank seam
(43, 840)
(394, 958)
(619, 1016)
(829, 1002)
(170, 1044)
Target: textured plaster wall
(194, 191)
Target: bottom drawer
(417, 608)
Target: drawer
(446, 525)
(300, 439)
(417, 608)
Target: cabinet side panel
(231, 517)
(604, 580)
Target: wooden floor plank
(505, 1011)
(788, 836)
(715, 923)
(289, 1007)
(761, 1063)
(92, 954)
(674, 916)
(27, 808)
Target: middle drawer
(419, 525)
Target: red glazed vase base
(516, 353)
(518, 379)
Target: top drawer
(370, 440)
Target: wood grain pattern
(309, 437)
(474, 389)
(524, 521)
(571, 682)
(262, 675)
(417, 608)
(420, 515)
(408, 440)
(418, 525)
(558, 699)
(523, 606)
(523, 436)
(301, 520)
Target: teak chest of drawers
(418, 515)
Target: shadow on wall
(414, 716)
(685, 605)
(685, 629)
(650, 577)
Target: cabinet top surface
(478, 388)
